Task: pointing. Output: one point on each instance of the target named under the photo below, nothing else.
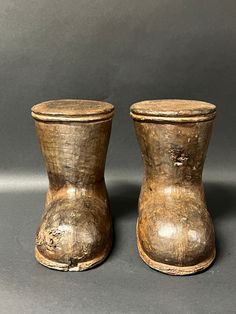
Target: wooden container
(175, 233)
(75, 232)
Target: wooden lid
(176, 110)
(72, 110)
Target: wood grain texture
(175, 233)
(75, 231)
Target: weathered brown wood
(75, 232)
(175, 233)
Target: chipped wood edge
(66, 267)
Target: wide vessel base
(175, 270)
(70, 267)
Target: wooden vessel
(75, 231)
(175, 233)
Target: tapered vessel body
(175, 233)
(75, 232)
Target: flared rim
(72, 110)
(176, 110)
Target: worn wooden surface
(75, 232)
(175, 233)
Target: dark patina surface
(75, 232)
(175, 233)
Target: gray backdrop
(121, 52)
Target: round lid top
(72, 110)
(176, 110)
